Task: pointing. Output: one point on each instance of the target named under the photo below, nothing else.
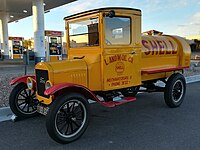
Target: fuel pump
(53, 45)
(16, 47)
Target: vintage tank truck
(108, 61)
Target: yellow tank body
(163, 52)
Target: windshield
(84, 33)
(117, 30)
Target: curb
(6, 113)
(192, 79)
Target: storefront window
(84, 33)
(117, 30)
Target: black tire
(68, 117)
(175, 89)
(131, 91)
(23, 102)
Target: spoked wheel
(23, 101)
(175, 90)
(178, 90)
(67, 118)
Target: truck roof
(101, 10)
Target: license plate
(42, 110)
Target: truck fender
(21, 79)
(70, 87)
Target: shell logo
(120, 67)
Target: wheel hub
(177, 91)
(29, 100)
(73, 119)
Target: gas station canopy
(13, 10)
(18, 9)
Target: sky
(174, 17)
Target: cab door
(120, 58)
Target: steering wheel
(108, 42)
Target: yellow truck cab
(109, 60)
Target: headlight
(29, 83)
(48, 84)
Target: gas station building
(13, 10)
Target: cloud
(151, 9)
(82, 5)
(192, 27)
(160, 5)
(145, 5)
(181, 25)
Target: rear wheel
(68, 118)
(23, 101)
(175, 90)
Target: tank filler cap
(153, 32)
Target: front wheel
(175, 90)
(23, 102)
(68, 117)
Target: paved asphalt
(146, 124)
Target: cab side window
(117, 30)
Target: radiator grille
(41, 78)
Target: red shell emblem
(120, 67)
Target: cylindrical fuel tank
(164, 51)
